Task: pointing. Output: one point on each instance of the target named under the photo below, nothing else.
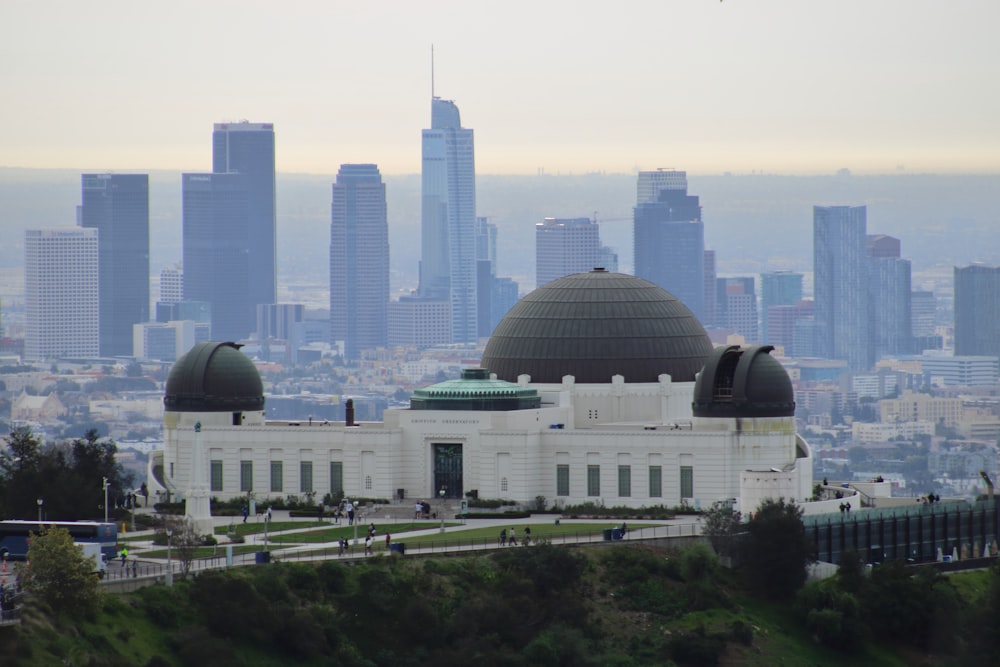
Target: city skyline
(736, 90)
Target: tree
(59, 575)
(720, 524)
(776, 551)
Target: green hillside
(620, 605)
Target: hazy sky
(791, 86)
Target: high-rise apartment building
(889, 296)
(172, 283)
(736, 306)
(117, 205)
(217, 256)
(359, 260)
(61, 293)
(651, 183)
(709, 307)
(777, 288)
(669, 244)
(977, 317)
(248, 149)
(564, 246)
(448, 219)
(840, 274)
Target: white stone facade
(617, 444)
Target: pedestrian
(319, 512)
(368, 545)
(388, 541)
(527, 535)
(513, 537)
(268, 514)
(624, 529)
(124, 555)
(350, 513)
(135, 568)
(371, 529)
(418, 510)
(246, 513)
(503, 537)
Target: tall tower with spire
(448, 216)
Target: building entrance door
(447, 470)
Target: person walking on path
(124, 555)
(527, 535)
(388, 541)
(368, 545)
(246, 513)
(503, 537)
(513, 537)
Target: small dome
(214, 377)
(475, 390)
(743, 382)
(596, 325)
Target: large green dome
(595, 325)
(214, 377)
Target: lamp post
(170, 567)
(40, 502)
(105, 486)
(441, 493)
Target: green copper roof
(475, 390)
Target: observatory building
(597, 387)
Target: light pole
(170, 567)
(40, 501)
(105, 485)
(441, 511)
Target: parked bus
(14, 536)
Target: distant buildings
(117, 205)
(448, 269)
(889, 296)
(669, 238)
(229, 228)
(564, 246)
(248, 149)
(840, 284)
(172, 283)
(977, 310)
(61, 293)
(777, 288)
(736, 307)
(494, 295)
(359, 260)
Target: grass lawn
(482, 537)
(254, 527)
(334, 533)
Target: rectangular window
(216, 475)
(246, 476)
(562, 480)
(337, 479)
(624, 481)
(593, 480)
(687, 482)
(655, 482)
(306, 477)
(277, 476)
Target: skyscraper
(651, 183)
(736, 306)
(840, 274)
(359, 260)
(248, 149)
(61, 293)
(217, 256)
(564, 246)
(117, 205)
(669, 244)
(777, 288)
(977, 318)
(448, 218)
(889, 297)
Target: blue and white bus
(14, 536)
